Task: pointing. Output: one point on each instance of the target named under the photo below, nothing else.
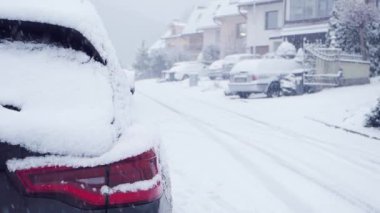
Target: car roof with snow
(79, 15)
(266, 66)
(237, 57)
(187, 66)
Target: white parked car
(183, 70)
(260, 76)
(222, 68)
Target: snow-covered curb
(136, 141)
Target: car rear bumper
(12, 201)
(236, 88)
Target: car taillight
(82, 187)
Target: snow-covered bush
(286, 50)
(210, 53)
(373, 119)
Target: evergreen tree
(159, 61)
(374, 47)
(142, 63)
(355, 25)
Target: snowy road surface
(265, 155)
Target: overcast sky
(129, 22)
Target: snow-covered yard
(265, 155)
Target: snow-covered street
(293, 154)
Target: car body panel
(11, 200)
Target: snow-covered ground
(290, 154)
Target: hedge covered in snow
(373, 119)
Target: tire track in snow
(320, 144)
(354, 201)
(276, 188)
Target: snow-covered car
(292, 83)
(131, 77)
(183, 70)
(222, 68)
(260, 76)
(66, 144)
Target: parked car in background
(65, 144)
(183, 70)
(222, 68)
(131, 77)
(260, 76)
(293, 83)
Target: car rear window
(43, 33)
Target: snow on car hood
(65, 100)
(266, 66)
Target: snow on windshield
(65, 100)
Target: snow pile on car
(136, 140)
(65, 104)
(76, 14)
(267, 66)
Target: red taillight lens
(82, 187)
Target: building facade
(233, 28)
(264, 25)
(306, 20)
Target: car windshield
(49, 34)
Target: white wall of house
(211, 36)
(258, 36)
(230, 42)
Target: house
(306, 20)
(264, 24)
(233, 28)
(208, 26)
(172, 37)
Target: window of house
(262, 50)
(271, 20)
(310, 9)
(241, 30)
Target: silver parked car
(260, 76)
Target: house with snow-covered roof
(172, 37)
(233, 28)
(207, 25)
(191, 36)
